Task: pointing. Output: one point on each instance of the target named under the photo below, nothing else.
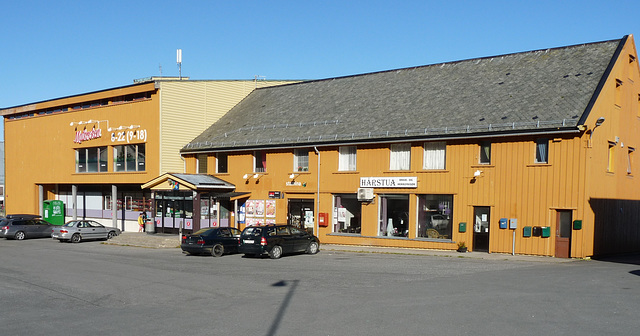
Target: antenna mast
(179, 61)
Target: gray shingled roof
(529, 91)
(204, 181)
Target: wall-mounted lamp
(599, 122)
(477, 173)
(245, 176)
(293, 176)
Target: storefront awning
(234, 195)
(196, 182)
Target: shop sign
(85, 135)
(389, 182)
(128, 136)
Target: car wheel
(111, 234)
(76, 238)
(276, 252)
(313, 247)
(217, 250)
(19, 235)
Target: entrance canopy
(184, 182)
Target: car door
(84, 229)
(226, 239)
(300, 239)
(98, 231)
(287, 241)
(41, 228)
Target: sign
(389, 182)
(128, 136)
(275, 194)
(87, 135)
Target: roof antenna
(179, 61)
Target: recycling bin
(53, 211)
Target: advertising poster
(250, 208)
(259, 208)
(271, 208)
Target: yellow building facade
(93, 151)
(533, 153)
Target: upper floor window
(618, 93)
(259, 162)
(630, 159)
(434, 155)
(485, 152)
(202, 163)
(347, 159)
(129, 158)
(610, 159)
(301, 160)
(400, 157)
(222, 163)
(542, 150)
(91, 160)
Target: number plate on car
(246, 241)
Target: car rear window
(252, 231)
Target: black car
(20, 227)
(214, 241)
(277, 240)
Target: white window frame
(347, 158)
(400, 156)
(435, 155)
(301, 160)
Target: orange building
(93, 151)
(525, 153)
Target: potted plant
(462, 247)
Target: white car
(439, 221)
(78, 230)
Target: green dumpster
(53, 211)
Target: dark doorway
(481, 229)
(300, 214)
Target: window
(400, 157)
(612, 147)
(91, 160)
(347, 160)
(542, 150)
(434, 155)
(485, 152)
(301, 160)
(348, 213)
(618, 93)
(129, 158)
(629, 159)
(202, 163)
(434, 216)
(394, 215)
(259, 162)
(222, 163)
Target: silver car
(78, 230)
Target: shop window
(91, 160)
(301, 160)
(394, 216)
(542, 151)
(202, 163)
(221, 163)
(129, 158)
(610, 159)
(347, 160)
(400, 158)
(434, 155)
(259, 162)
(434, 216)
(485, 152)
(347, 214)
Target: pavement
(167, 241)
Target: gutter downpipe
(317, 219)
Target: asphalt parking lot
(92, 288)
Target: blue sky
(55, 49)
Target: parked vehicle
(277, 240)
(20, 227)
(79, 230)
(213, 241)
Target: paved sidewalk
(162, 240)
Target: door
(301, 214)
(481, 229)
(563, 233)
